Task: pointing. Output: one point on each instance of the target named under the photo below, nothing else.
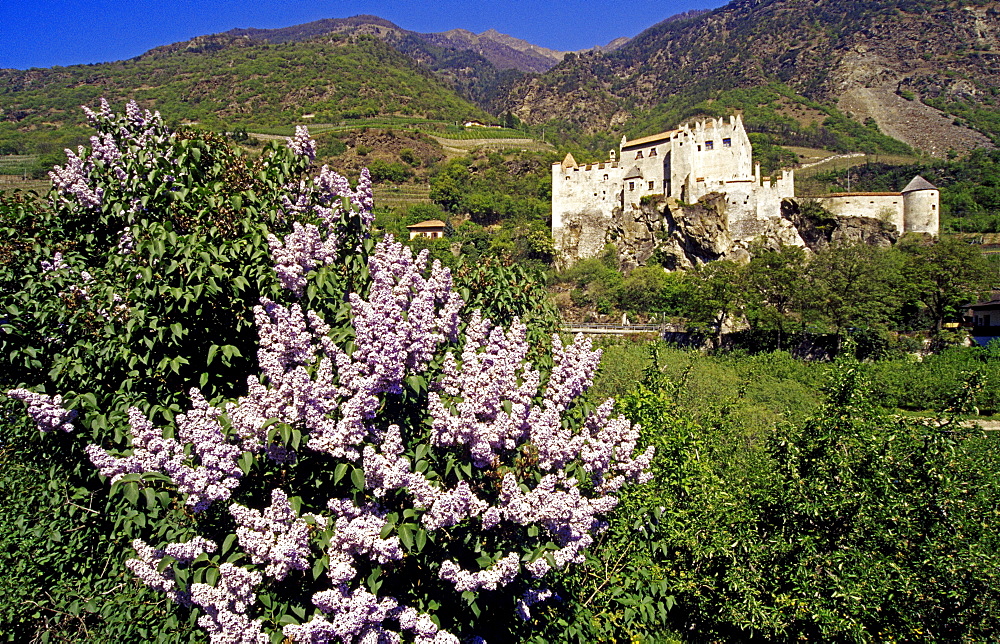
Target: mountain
(922, 71)
(502, 51)
(228, 80)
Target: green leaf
(405, 531)
(339, 472)
(358, 478)
(421, 539)
(246, 461)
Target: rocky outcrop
(819, 229)
(681, 236)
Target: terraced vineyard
(17, 164)
(402, 196)
(438, 128)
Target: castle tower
(921, 207)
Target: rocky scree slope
(874, 58)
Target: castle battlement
(698, 158)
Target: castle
(698, 160)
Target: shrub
(388, 466)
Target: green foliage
(491, 188)
(854, 525)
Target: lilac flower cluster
(485, 406)
(126, 242)
(359, 616)
(403, 321)
(147, 566)
(302, 144)
(225, 606)
(310, 246)
(276, 537)
(501, 573)
(213, 479)
(74, 179)
(293, 395)
(301, 251)
(357, 532)
(530, 598)
(47, 411)
(56, 264)
(119, 139)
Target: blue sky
(36, 33)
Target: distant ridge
(502, 51)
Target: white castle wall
(583, 201)
(887, 206)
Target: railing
(598, 327)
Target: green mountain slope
(227, 80)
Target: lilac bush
(392, 473)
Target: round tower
(921, 207)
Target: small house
(431, 229)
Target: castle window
(631, 185)
(605, 177)
(652, 152)
(567, 177)
(709, 145)
(699, 148)
(727, 143)
(650, 185)
(638, 154)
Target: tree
(716, 294)
(774, 287)
(943, 275)
(854, 285)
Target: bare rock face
(682, 236)
(820, 229)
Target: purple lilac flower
(403, 321)
(146, 566)
(529, 599)
(359, 616)
(47, 411)
(73, 179)
(357, 532)
(225, 607)
(301, 251)
(302, 144)
(500, 574)
(213, 479)
(56, 264)
(96, 118)
(126, 242)
(276, 537)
